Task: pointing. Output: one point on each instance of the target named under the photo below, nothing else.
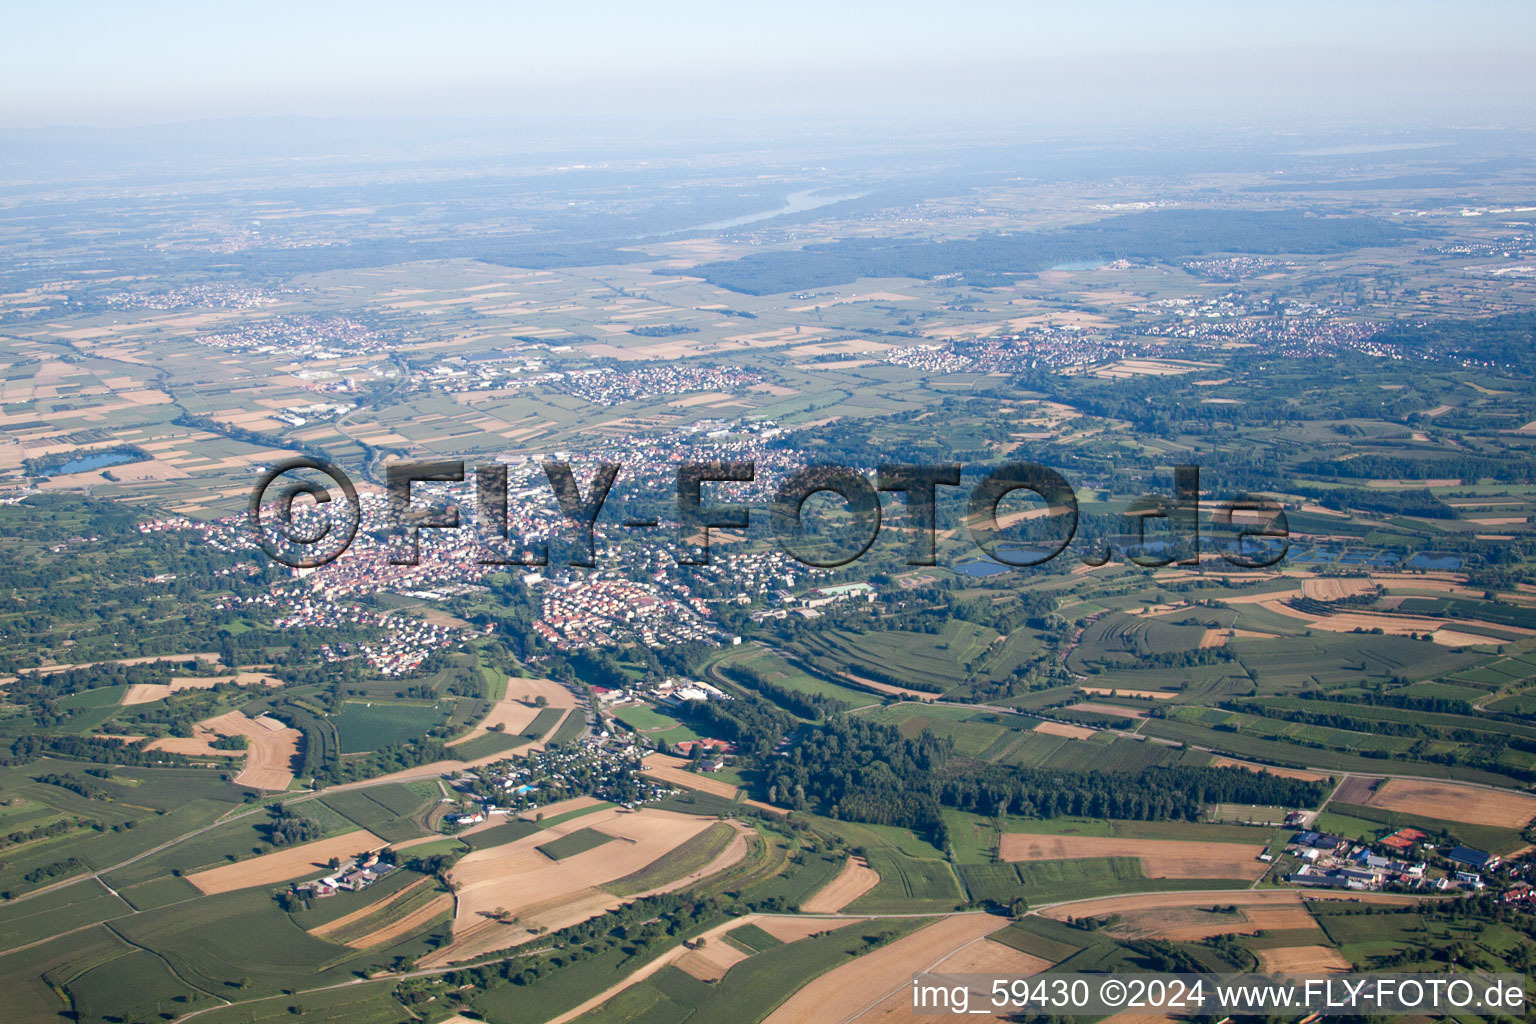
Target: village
(1329, 861)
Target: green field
(572, 843)
(372, 725)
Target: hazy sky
(67, 62)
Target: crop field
(1450, 802)
(1188, 916)
(974, 732)
(520, 879)
(383, 810)
(1118, 640)
(1160, 858)
(284, 865)
(670, 770)
(487, 744)
(499, 834)
(779, 671)
(371, 725)
(854, 880)
(751, 989)
(693, 856)
(908, 882)
(572, 843)
(1242, 746)
(919, 661)
(410, 910)
(236, 942)
(842, 992)
(373, 316)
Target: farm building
(1475, 859)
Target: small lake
(97, 460)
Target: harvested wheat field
(1302, 960)
(285, 865)
(795, 928)
(1197, 920)
(1399, 625)
(870, 684)
(442, 904)
(144, 693)
(1160, 858)
(860, 989)
(519, 707)
(330, 927)
(711, 962)
(1451, 802)
(983, 956)
(518, 878)
(268, 759)
(670, 770)
(512, 716)
(1076, 732)
(1336, 589)
(718, 957)
(987, 957)
(1219, 761)
(1215, 638)
(672, 956)
(559, 807)
(1103, 906)
(854, 880)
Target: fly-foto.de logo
(313, 532)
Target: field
(384, 810)
(516, 710)
(269, 758)
(371, 725)
(1075, 732)
(1192, 917)
(716, 848)
(854, 880)
(572, 843)
(284, 865)
(670, 770)
(1454, 803)
(1219, 761)
(392, 916)
(1160, 858)
(519, 879)
(847, 991)
(144, 693)
(1302, 960)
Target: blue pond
(99, 460)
